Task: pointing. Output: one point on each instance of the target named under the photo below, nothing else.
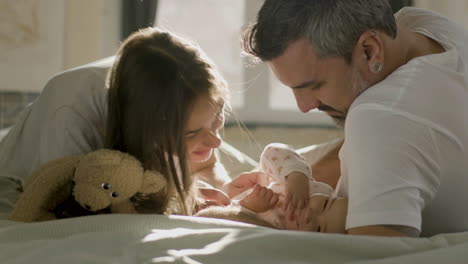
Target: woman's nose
(213, 139)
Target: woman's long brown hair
(155, 80)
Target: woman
(164, 105)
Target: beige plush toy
(103, 181)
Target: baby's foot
(261, 199)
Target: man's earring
(377, 67)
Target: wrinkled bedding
(178, 239)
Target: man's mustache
(327, 108)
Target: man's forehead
(297, 66)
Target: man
(399, 88)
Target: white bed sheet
(177, 239)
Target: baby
(282, 195)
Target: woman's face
(328, 215)
(204, 123)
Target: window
(216, 25)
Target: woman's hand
(243, 182)
(260, 200)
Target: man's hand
(297, 195)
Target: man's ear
(369, 51)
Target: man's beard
(359, 85)
(338, 118)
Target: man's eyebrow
(305, 85)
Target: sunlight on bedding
(115, 239)
(218, 240)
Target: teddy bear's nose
(87, 207)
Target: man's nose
(305, 103)
(212, 139)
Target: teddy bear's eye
(114, 194)
(106, 186)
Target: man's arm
(211, 171)
(327, 169)
(375, 230)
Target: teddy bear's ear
(153, 182)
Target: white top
(68, 118)
(404, 160)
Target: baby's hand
(297, 195)
(260, 200)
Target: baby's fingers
(274, 199)
(303, 218)
(290, 211)
(303, 203)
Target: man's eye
(317, 86)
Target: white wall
(31, 42)
(39, 38)
(457, 10)
(92, 30)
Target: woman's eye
(191, 134)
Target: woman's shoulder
(86, 83)
(84, 75)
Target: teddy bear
(103, 181)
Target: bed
(178, 239)
(182, 239)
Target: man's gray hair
(332, 26)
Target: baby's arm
(283, 164)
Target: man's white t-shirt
(404, 160)
(68, 118)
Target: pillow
(234, 160)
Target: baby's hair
(233, 213)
